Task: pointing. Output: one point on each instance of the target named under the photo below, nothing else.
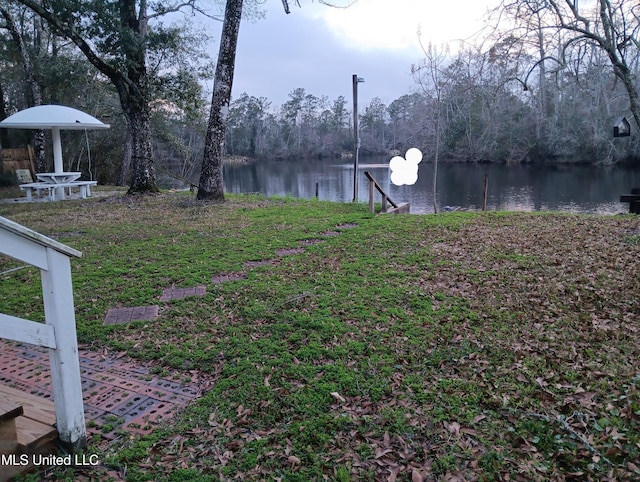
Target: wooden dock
(27, 426)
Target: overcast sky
(319, 48)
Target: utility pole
(356, 135)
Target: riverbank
(473, 346)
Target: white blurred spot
(404, 170)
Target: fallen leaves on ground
(456, 347)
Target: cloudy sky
(319, 48)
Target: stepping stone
(309, 242)
(169, 294)
(119, 316)
(223, 278)
(264, 262)
(339, 226)
(347, 226)
(288, 251)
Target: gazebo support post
(57, 150)
(58, 167)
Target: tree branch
(287, 10)
(72, 34)
(178, 8)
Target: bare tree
(610, 25)
(428, 75)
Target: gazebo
(55, 117)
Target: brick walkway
(118, 394)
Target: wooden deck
(27, 426)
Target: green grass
(472, 345)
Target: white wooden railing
(58, 333)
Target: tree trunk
(143, 175)
(4, 133)
(125, 165)
(437, 151)
(211, 185)
(39, 153)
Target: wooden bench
(39, 187)
(633, 199)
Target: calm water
(582, 189)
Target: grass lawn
(458, 346)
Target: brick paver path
(118, 393)
(118, 316)
(169, 294)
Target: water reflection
(583, 189)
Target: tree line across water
(547, 87)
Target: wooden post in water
(371, 192)
(485, 186)
(317, 190)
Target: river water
(579, 189)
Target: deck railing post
(58, 333)
(59, 313)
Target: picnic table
(58, 177)
(633, 199)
